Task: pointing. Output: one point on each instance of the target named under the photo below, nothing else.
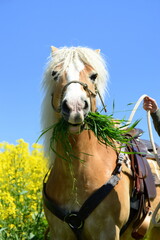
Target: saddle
(145, 144)
(144, 188)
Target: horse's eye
(93, 76)
(55, 75)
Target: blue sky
(127, 32)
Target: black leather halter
(85, 87)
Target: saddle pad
(155, 171)
(150, 184)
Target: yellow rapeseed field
(21, 177)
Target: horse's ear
(53, 49)
(97, 51)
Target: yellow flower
(21, 177)
(11, 226)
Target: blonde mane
(63, 57)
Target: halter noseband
(85, 87)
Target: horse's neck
(89, 169)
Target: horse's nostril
(85, 104)
(65, 107)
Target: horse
(74, 84)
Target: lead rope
(149, 125)
(154, 221)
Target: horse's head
(73, 78)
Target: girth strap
(76, 219)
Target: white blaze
(75, 96)
(74, 91)
(74, 69)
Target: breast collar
(75, 220)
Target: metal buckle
(73, 221)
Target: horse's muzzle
(74, 112)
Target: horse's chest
(102, 222)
